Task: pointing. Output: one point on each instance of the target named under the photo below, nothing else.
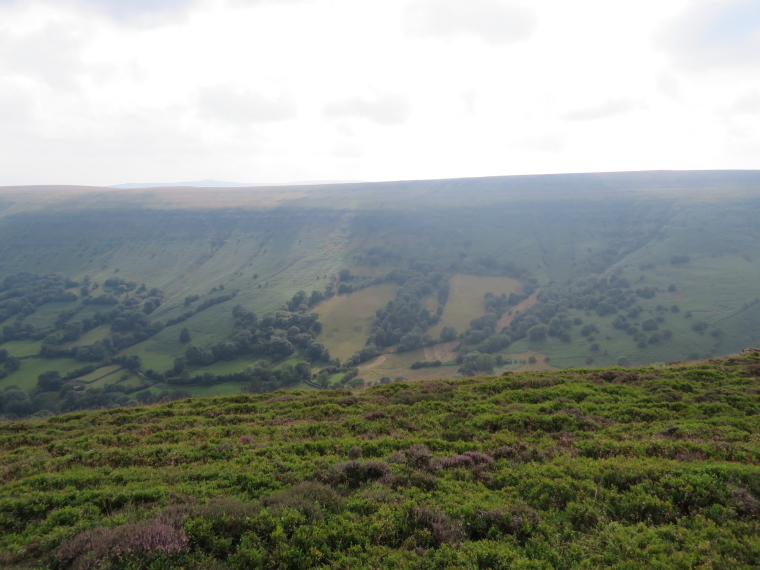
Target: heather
(586, 468)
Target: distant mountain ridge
(222, 184)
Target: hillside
(609, 468)
(493, 274)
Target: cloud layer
(383, 109)
(723, 33)
(111, 91)
(493, 21)
(239, 106)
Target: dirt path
(377, 362)
(506, 319)
(443, 352)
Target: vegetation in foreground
(613, 468)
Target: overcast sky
(103, 92)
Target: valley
(412, 280)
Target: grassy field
(22, 347)
(653, 467)
(91, 336)
(103, 375)
(466, 299)
(226, 389)
(396, 365)
(26, 377)
(150, 359)
(346, 319)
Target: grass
(229, 366)
(466, 299)
(227, 389)
(397, 364)
(150, 359)
(346, 319)
(26, 377)
(90, 337)
(46, 315)
(22, 347)
(108, 371)
(618, 468)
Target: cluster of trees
(425, 364)
(9, 363)
(22, 293)
(53, 396)
(128, 315)
(549, 317)
(276, 335)
(405, 319)
(210, 302)
(378, 255)
(259, 378)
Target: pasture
(346, 319)
(466, 299)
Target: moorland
(636, 467)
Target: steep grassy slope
(615, 468)
(695, 231)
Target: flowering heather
(147, 539)
(467, 459)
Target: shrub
(377, 415)
(437, 528)
(517, 519)
(160, 536)
(354, 473)
(468, 459)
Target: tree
(344, 275)
(356, 383)
(303, 370)
(280, 347)
(649, 325)
(476, 362)
(184, 336)
(49, 381)
(448, 334)
(537, 333)
(12, 364)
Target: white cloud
(493, 21)
(549, 142)
(747, 104)
(383, 109)
(286, 90)
(235, 105)
(610, 108)
(50, 54)
(15, 105)
(118, 8)
(716, 33)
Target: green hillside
(585, 270)
(588, 468)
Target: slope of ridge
(626, 268)
(654, 466)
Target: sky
(102, 92)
